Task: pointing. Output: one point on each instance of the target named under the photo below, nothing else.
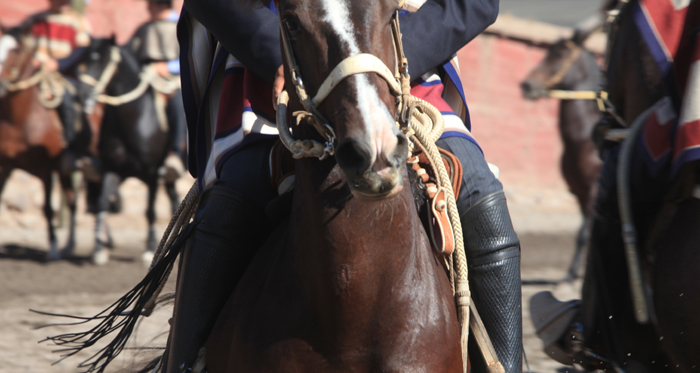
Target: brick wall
(107, 17)
(521, 137)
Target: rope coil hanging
(52, 87)
(147, 78)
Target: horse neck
(127, 76)
(21, 106)
(352, 253)
(577, 117)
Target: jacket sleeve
(440, 28)
(431, 35)
(250, 35)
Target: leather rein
(399, 85)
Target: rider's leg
(231, 226)
(175, 111)
(66, 112)
(493, 253)
(177, 152)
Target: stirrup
(553, 320)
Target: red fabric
(231, 103)
(657, 137)
(258, 95)
(667, 22)
(55, 31)
(431, 94)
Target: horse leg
(53, 253)
(172, 194)
(70, 197)
(581, 242)
(147, 256)
(110, 184)
(4, 175)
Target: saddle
(437, 223)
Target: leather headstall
(398, 82)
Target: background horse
(351, 283)
(568, 66)
(31, 136)
(132, 141)
(665, 214)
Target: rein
(600, 96)
(147, 78)
(419, 120)
(52, 87)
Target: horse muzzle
(370, 175)
(533, 90)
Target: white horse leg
(100, 255)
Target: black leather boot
(214, 259)
(493, 256)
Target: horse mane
(608, 5)
(129, 58)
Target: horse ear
(586, 28)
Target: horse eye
(292, 25)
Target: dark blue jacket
(431, 36)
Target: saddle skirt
(672, 132)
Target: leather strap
(439, 226)
(441, 233)
(357, 64)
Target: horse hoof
(53, 256)
(67, 252)
(100, 258)
(147, 258)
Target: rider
(60, 36)
(229, 154)
(155, 43)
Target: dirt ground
(545, 222)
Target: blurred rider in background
(61, 36)
(155, 43)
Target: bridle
(398, 81)
(100, 84)
(566, 65)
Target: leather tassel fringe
(121, 317)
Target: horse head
(99, 54)
(360, 108)
(559, 69)
(15, 60)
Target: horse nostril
(353, 157)
(526, 86)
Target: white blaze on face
(378, 122)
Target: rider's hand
(51, 65)
(161, 69)
(278, 85)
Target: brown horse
(568, 66)
(31, 137)
(351, 283)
